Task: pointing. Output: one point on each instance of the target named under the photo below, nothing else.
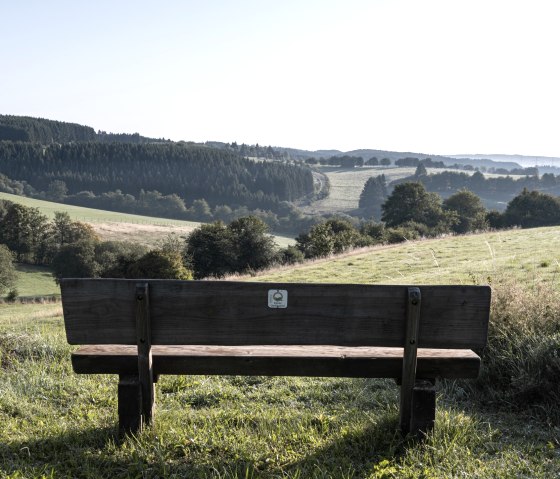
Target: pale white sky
(430, 76)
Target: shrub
(290, 255)
(8, 274)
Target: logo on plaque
(277, 298)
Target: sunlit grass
(524, 254)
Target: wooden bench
(142, 329)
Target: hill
(164, 179)
(545, 164)
(41, 130)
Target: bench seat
(309, 360)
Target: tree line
(87, 170)
(43, 131)
(244, 246)
(73, 249)
(501, 188)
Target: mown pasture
(507, 424)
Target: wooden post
(129, 405)
(409, 357)
(423, 408)
(145, 369)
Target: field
(35, 281)
(346, 185)
(113, 226)
(58, 424)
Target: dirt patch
(145, 234)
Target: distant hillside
(43, 131)
(190, 172)
(541, 161)
(397, 155)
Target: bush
(290, 255)
(12, 295)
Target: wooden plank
(234, 313)
(144, 345)
(322, 361)
(408, 377)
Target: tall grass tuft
(521, 363)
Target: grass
(35, 281)
(59, 424)
(526, 255)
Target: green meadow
(506, 424)
(91, 215)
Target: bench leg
(423, 408)
(130, 405)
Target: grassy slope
(91, 215)
(56, 423)
(111, 225)
(528, 255)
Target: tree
(254, 247)
(57, 190)
(8, 273)
(159, 264)
(373, 195)
(76, 260)
(22, 230)
(385, 162)
(531, 209)
(420, 171)
(60, 232)
(410, 202)
(471, 214)
(117, 256)
(210, 251)
(242, 246)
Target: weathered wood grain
(144, 345)
(408, 377)
(321, 361)
(236, 313)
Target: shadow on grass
(98, 452)
(354, 455)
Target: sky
(430, 76)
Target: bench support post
(409, 358)
(129, 405)
(423, 408)
(145, 368)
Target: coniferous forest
(120, 171)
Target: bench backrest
(103, 311)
